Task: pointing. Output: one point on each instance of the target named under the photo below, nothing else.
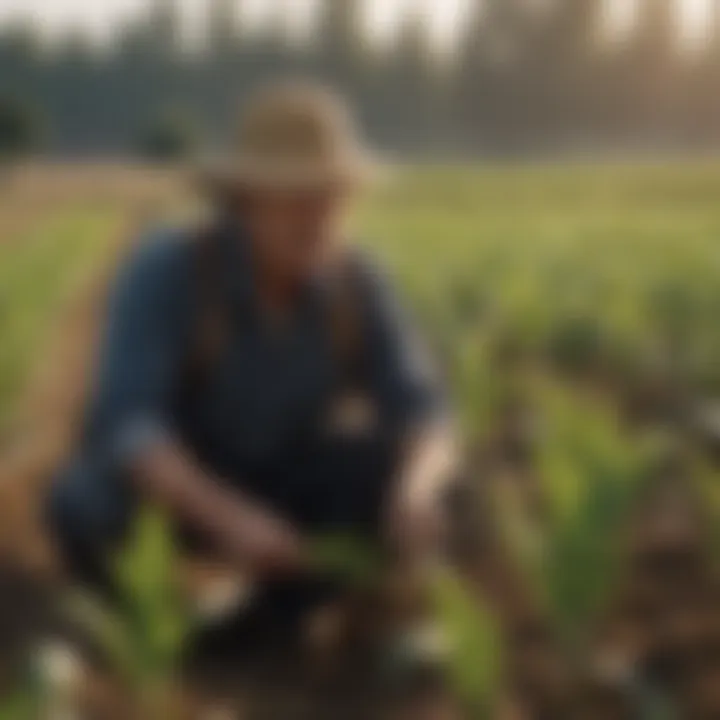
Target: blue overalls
(257, 421)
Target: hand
(415, 517)
(268, 543)
(414, 526)
(251, 536)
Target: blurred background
(431, 79)
(554, 227)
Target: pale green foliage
(38, 271)
(611, 268)
(21, 706)
(348, 558)
(609, 272)
(590, 473)
(147, 573)
(610, 265)
(474, 662)
(144, 633)
(475, 649)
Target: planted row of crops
(574, 312)
(39, 271)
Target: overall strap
(211, 323)
(346, 320)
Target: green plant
(475, 660)
(590, 473)
(19, 706)
(347, 557)
(144, 632)
(467, 624)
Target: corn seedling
(467, 625)
(144, 633)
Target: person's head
(294, 231)
(298, 166)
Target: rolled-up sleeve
(405, 380)
(141, 353)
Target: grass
(38, 273)
(617, 264)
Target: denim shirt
(271, 384)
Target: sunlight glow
(382, 16)
(101, 18)
(692, 16)
(695, 17)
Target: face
(295, 231)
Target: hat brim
(218, 175)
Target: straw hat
(293, 135)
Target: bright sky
(99, 16)
(693, 14)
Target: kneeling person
(258, 381)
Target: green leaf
(475, 658)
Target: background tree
(171, 135)
(340, 48)
(700, 97)
(411, 88)
(20, 129)
(525, 75)
(564, 66)
(650, 71)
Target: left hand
(415, 515)
(414, 525)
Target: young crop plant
(590, 473)
(465, 623)
(144, 632)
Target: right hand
(269, 544)
(252, 536)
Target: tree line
(524, 76)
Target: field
(574, 310)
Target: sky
(693, 14)
(99, 16)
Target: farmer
(258, 381)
